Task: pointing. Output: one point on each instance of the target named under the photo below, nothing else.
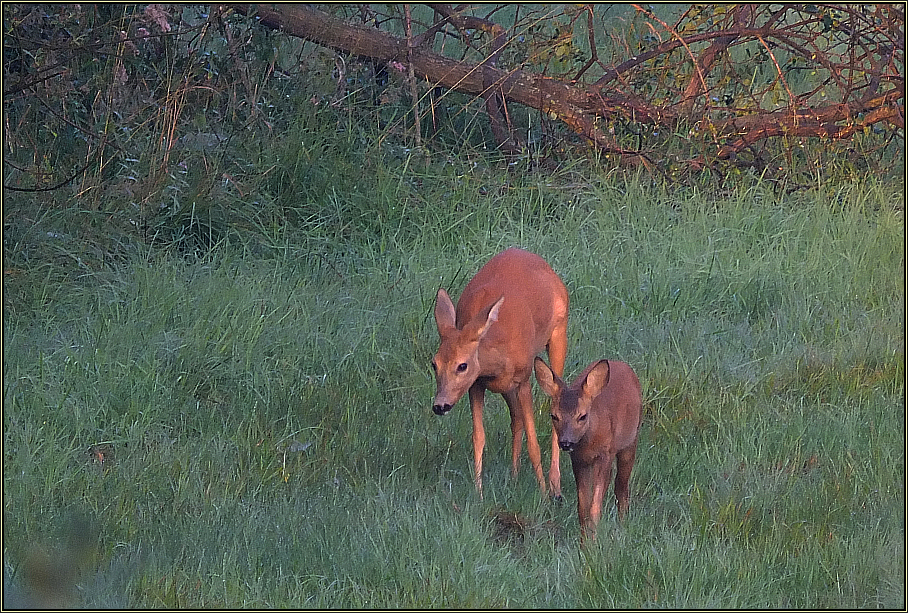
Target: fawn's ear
(548, 381)
(596, 379)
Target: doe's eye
(554, 417)
(461, 367)
(582, 417)
(434, 366)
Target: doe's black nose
(441, 409)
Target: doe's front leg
(524, 398)
(477, 400)
(555, 469)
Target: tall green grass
(262, 405)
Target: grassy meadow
(239, 415)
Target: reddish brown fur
(597, 419)
(513, 308)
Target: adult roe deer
(597, 419)
(510, 311)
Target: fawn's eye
(434, 366)
(554, 417)
(582, 417)
(461, 367)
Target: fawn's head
(571, 403)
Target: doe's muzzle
(441, 409)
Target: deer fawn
(513, 308)
(597, 419)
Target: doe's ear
(444, 311)
(597, 379)
(546, 378)
(479, 325)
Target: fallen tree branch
(583, 107)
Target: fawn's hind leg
(625, 460)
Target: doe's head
(456, 363)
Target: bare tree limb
(583, 107)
